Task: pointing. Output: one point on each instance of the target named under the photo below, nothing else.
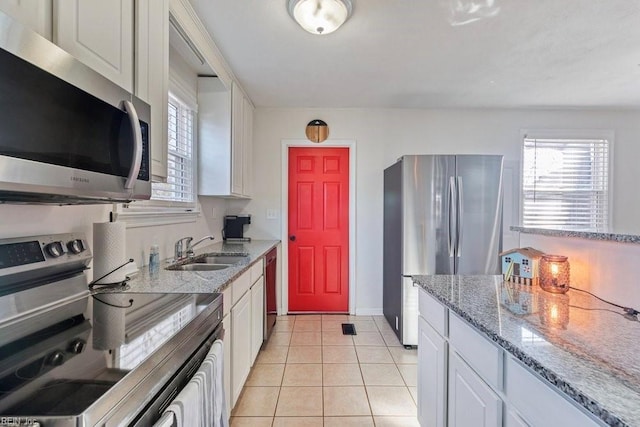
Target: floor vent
(348, 329)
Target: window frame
(568, 134)
(162, 212)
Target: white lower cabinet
(244, 328)
(513, 419)
(464, 379)
(432, 372)
(228, 330)
(472, 403)
(240, 345)
(257, 317)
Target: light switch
(272, 214)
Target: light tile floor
(309, 374)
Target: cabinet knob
(292, 238)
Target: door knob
(292, 238)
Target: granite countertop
(175, 281)
(588, 349)
(591, 235)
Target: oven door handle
(136, 162)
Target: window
(180, 185)
(565, 183)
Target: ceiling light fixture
(320, 16)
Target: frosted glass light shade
(320, 16)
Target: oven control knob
(76, 246)
(76, 346)
(55, 249)
(56, 358)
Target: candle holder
(554, 274)
(554, 310)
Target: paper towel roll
(109, 251)
(109, 321)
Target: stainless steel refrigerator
(442, 215)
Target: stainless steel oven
(69, 135)
(71, 357)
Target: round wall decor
(317, 131)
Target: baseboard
(369, 311)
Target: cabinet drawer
(483, 356)
(529, 394)
(433, 312)
(257, 270)
(240, 286)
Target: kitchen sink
(221, 259)
(198, 267)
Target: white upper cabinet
(225, 128)
(100, 34)
(35, 14)
(152, 75)
(247, 146)
(237, 140)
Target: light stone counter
(172, 281)
(587, 349)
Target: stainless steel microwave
(68, 135)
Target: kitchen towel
(167, 420)
(109, 251)
(109, 320)
(216, 358)
(187, 406)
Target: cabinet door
(237, 140)
(247, 146)
(257, 317)
(34, 14)
(432, 372)
(241, 345)
(152, 75)
(228, 361)
(472, 403)
(98, 33)
(513, 419)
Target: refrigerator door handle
(459, 217)
(452, 214)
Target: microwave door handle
(137, 146)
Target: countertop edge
(193, 282)
(605, 237)
(547, 374)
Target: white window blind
(180, 168)
(565, 184)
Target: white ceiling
(405, 54)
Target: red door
(319, 229)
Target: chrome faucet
(191, 246)
(178, 252)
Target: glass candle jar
(554, 273)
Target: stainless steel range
(74, 357)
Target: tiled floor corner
(309, 374)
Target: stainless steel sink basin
(222, 259)
(198, 267)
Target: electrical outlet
(214, 213)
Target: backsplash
(28, 220)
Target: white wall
(384, 135)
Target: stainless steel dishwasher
(271, 310)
